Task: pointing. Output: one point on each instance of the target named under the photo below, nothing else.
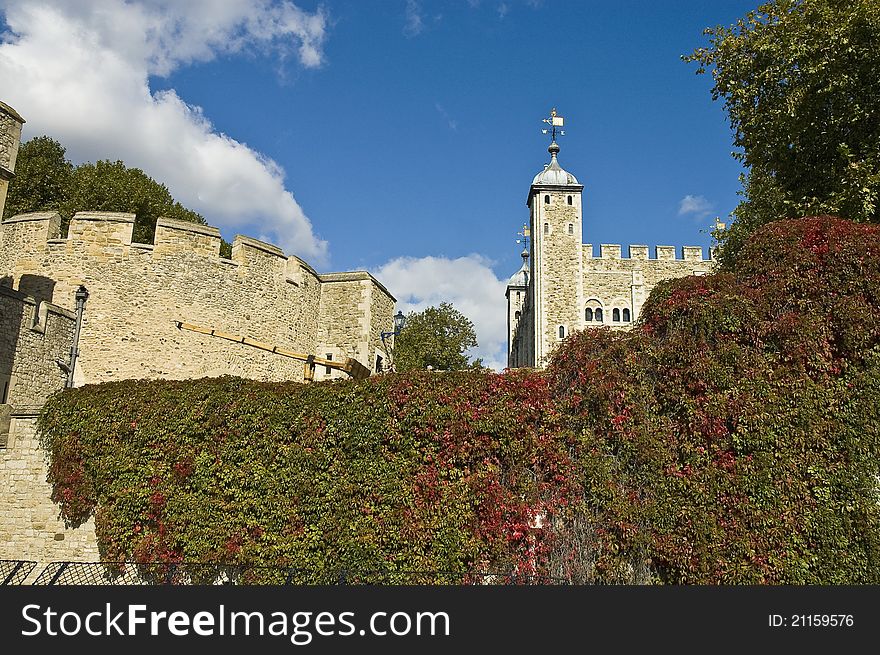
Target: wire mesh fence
(130, 573)
(15, 571)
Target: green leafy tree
(43, 178)
(112, 186)
(799, 83)
(437, 337)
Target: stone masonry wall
(32, 338)
(138, 291)
(559, 265)
(523, 340)
(30, 527)
(354, 310)
(381, 319)
(618, 282)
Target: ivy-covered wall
(731, 438)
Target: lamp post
(82, 294)
(399, 322)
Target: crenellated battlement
(109, 235)
(640, 252)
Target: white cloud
(466, 282)
(414, 23)
(79, 72)
(696, 206)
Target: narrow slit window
(569, 200)
(562, 332)
(546, 228)
(516, 316)
(571, 228)
(547, 200)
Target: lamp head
(399, 321)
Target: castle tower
(517, 287)
(556, 290)
(10, 137)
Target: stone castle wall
(30, 526)
(354, 310)
(34, 336)
(613, 281)
(138, 292)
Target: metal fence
(15, 571)
(130, 573)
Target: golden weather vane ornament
(525, 235)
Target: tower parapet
(641, 252)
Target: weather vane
(554, 122)
(525, 236)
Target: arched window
(569, 200)
(562, 332)
(546, 228)
(599, 314)
(626, 315)
(571, 228)
(547, 199)
(615, 315)
(588, 315)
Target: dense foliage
(42, 178)
(799, 82)
(740, 420)
(417, 472)
(46, 181)
(436, 337)
(732, 437)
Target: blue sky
(398, 136)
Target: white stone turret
(556, 290)
(517, 288)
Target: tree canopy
(45, 180)
(437, 337)
(42, 178)
(799, 83)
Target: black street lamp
(81, 295)
(399, 322)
